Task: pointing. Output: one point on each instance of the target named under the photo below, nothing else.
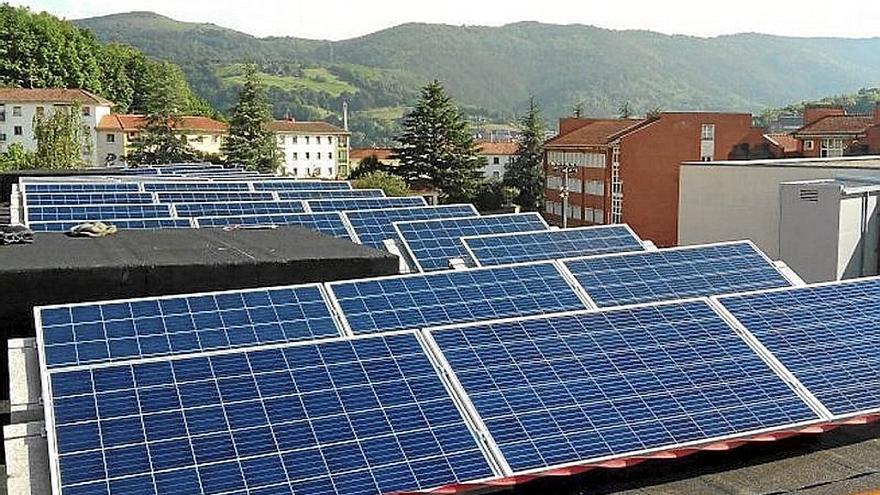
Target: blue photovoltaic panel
(231, 209)
(118, 330)
(113, 198)
(78, 187)
(828, 336)
(617, 280)
(374, 226)
(347, 417)
(121, 224)
(432, 243)
(343, 204)
(326, 223)
(418, 301)
(213, 197)
(96, 213)
(503, 249)
(195, 186)
(301, 185)
(331, 194)
(576, 388)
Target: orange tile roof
(497, 148)
(305, 126)
(598, 133)
(52, 95)
(833, 125)
(358, 154)
(785, 141)
(126, 123)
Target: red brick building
(627, 170)
(830, 132)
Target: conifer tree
(526, 172)
(437, 148)
(250, 142)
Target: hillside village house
(18, 107)
(116, 133)
(497, 155)
(830, 132)
(384, 155)
(313, 149)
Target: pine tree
(526, 172)
(437, 148)
(157, 142)
(250, 142)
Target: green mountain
(492, 71)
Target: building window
(295, 171)
(132, 135)
(329, 139)
(705, 158)
(318, 140)
(319, 155)
(496, 160)
(293, 139)
(281, 140)
(496, 175)
(308, 155)
(111, 138)
(16, 131)
(2, 137)
(41, 111)
(16, 111)
(809, 145)
(707, 132)
(295, 156)
(307, 139)
(831, 148)
(330, 156)
(86, 111)
(330, 171)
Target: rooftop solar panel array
(61, 199)
(326, 223)
(503, 249)
(432, 243)
(238, 208)
(213, 197)
(621, 279)
(73, 187)
(363, 416)
(96, 212)
(331, 194)
(828, 336)
(120, 330)
(301, 185)
(120, 223)
(418, 301)
(581, 387)
(374, 226)
(195, 186)
(343, 204)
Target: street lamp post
(565, 169)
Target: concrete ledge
(25, 390)
(27, 459)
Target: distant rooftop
(127, 123)
(358, 154)
(497, 148)
(868, 161)
(843, 125)
(52, 95)
(297, 126)
(596, 132)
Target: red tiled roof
(598, 133)
(497, 148)
(52, 95)
(785, 141)
(834, 125)
(358, 154)
(122, 122)
(304, 126)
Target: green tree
(17, 158)
(250, 141)
(526, 172)
(624, 111)
(437, 147)
(158, 142)
(393, 185)
(367, 166)
(62, 139)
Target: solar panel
(213, 197)
(196, 186)
(121, 224)
(503, 249)
(326, 223)
(581, 387)
(230, 209)
(343, 204)
(115, 198)
(158, 326)
(432, 243)
(77, 187)
(374, 226)
(827, 335)
(621, 279)
(330, 194)
(301, 185)
(95, 212)
(359, 416)
(422, 300)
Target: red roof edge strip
(625, 462)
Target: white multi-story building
(19, 106)
(313, 149)
(497, 155)
(117, 132)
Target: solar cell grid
(364, 416)
(196, 186)
(238, 208)
(827, 335)
(502, 249)
(374, 226)
(300, 185)
(343, 204)
(122, 224)
(120, 330)
(81, 187)
(95, 212)
(213, 197)
(418, 301)
(432, 243)
(331, 193)
(582, 387)
(667, 274)
(61, 199)
(326, 223)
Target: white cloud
(339, 19)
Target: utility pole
(566, 169)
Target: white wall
(308, 144)
(492, 168)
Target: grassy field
(315, 79)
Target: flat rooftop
(855, 162)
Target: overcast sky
(340, 19)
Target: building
(313, 149)
(116, 133)
(831, 132)
(497, 154)
(732, 200)
(18, 107)
(384, 155)
(627, 169)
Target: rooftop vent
(809, 195)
